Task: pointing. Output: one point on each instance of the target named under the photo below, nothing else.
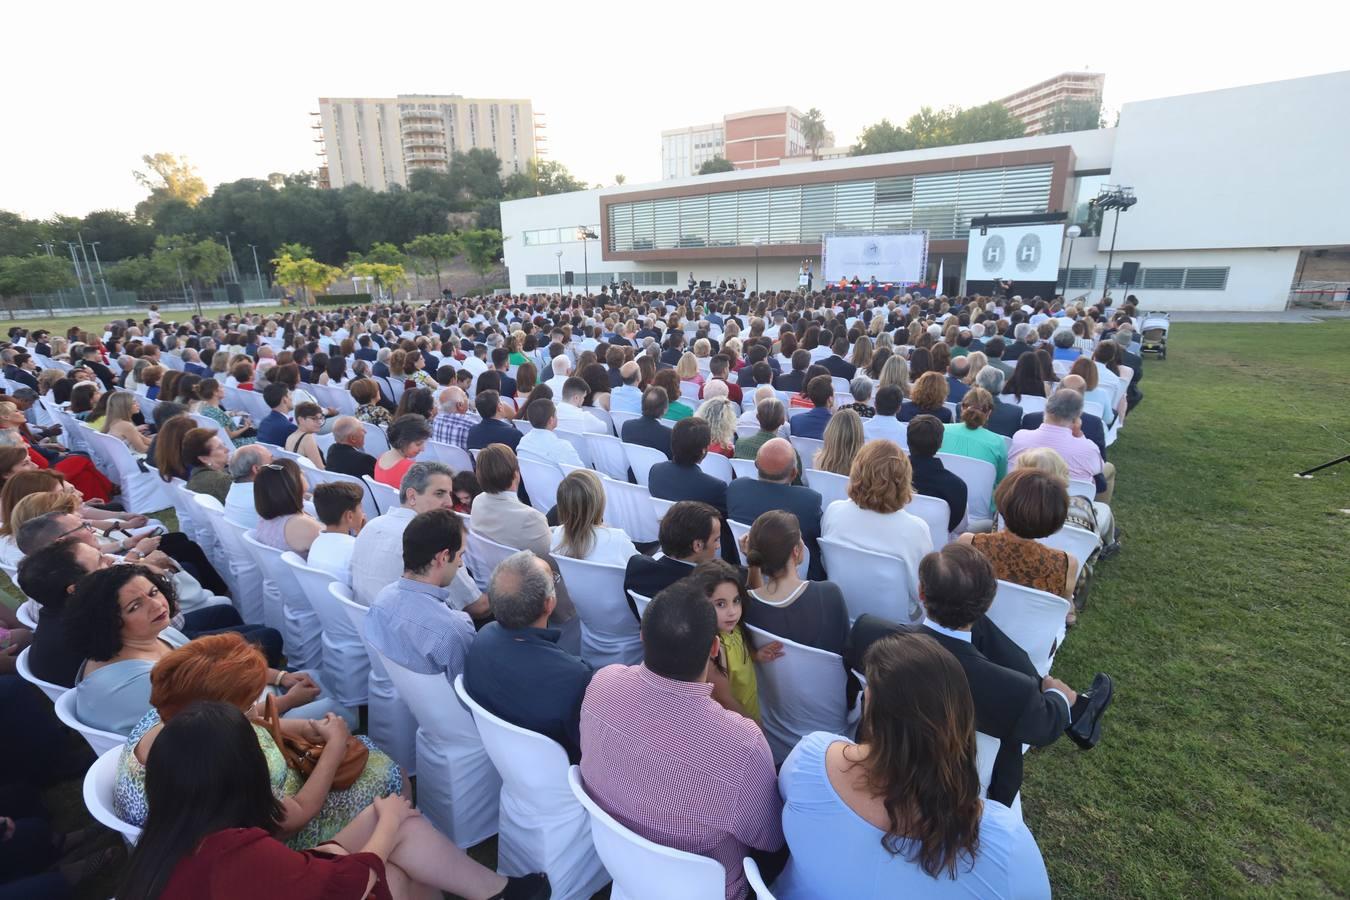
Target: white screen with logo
(889, 257)
(1015, 253)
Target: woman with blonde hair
(118, 422)
(977, 361)
(843, 439)
(971, 438)
(895, 372)
(30, 507)
(722, 416)
(582, 533)
(862, 353)
(687, 369)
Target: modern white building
(683, 150)
(1235, 189)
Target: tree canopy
(940, 128)
(1084, 114)
(716, 164)
(169, 177)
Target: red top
(248, 862)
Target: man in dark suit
(691, 533)
(745, 379)
(491, 430)
(501, 362)
(682, 479)
(19, 368)
(1092, 426)
(792, 381)
(1023, 333)
(90, 360)
(958, 369)
(1012, 701)
(747, 498)
(812, 423)
(674, 348)
(347, 456)
(648, 431)
(931, 478)
(276, 426)
(301, 359)
(1124, 339)
(835, 362)
(365, 350)
(993, 348)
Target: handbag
(302, 755)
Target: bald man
(453, 421)
(627, 397)
(347, 456)
(749, 498)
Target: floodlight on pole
(1073, 232)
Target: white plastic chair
(484, 554)
(386, 498)
(98, 794)
(250, 599)
(102, 741)
(212, 424)
(316, 477)
(662, 507)
(1079, 488)
(193, 520)
(1031, 404)
(142, 492)
(872, 582)
(376, 442)
(1077, 542)
(743, 468)
(718, 466)
(808, 448)
(643, 869)
(1033, 619)
(578, 441)
(607, 456)
(641, 459)
(609, 633)
(978, 475)
(346, 665)
(740, 530)
(53, 691)
(457, 458)
(250, 402)
(337, 398)
(830, 486)
(542, 826)
(756, 880)
(541, 479)
(620, 418)
(936, 514)
(457, 786)
(800, 692)
(629, 507)
(28, 612)
(299, 625)
(986, 752)
(390, 722)
(640, 602)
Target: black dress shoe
(526, 887)
(1086, 728)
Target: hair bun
(754, 558)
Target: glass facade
(941, 204)
(541, 236)
(637, 279)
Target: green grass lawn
(1224, 770)
(96, 321)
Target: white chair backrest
(689, 390)
(641, 459)
(1033, 619)
(1030, 404)
(800, 692)
(53, 691)
(740, 530)
(620, 417)
(532, 766)
(642, 868)
(871, 582)
(1079, 488)
(29, 611)
(299, 625)
(246, 575)
(744, 468)
(986, 752)
(607, 456)
(1077, 542)
(756, 880)
(745, 431)
(629, 507)
(386, 498)
(662, 506)
(935, 513)
(541, 479)
(1093, 408)
(142, 492)
(252, 403)
(640, 602)
(376, 442)
(484, 554)
(317, 477)
(830, 486)
(102, 741)
(978, 474)
(808, 448)
(578, 441)
(609, 633)
(212, 424)
(346, 667)
(98, 794)
(718, 466)
(457, 458)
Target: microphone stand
(1325, 465)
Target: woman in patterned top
(367, 395)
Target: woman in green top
(970, 438)
(514, 356)
(670, 382)
(206, 457)
(733, 672)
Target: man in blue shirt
(409, 622)
(276, 426)
(811, 424)
(515, 667)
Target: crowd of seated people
(136, 620)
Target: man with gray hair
(1006, 418)
(244, 467)
(751, 415)
(516, 668)
(1023, 334)
(1124, 339)
(1062, 432)
(562, 368)
(452, 423)
(348, 454)
(957, 370)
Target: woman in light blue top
(970, 438)
(900, 815)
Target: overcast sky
(90, 87)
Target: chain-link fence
(102, 296)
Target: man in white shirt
(885, 423)
(541, 442)
(338, 505)
(570, 412)
(476, 361)
(244, 466)
(561, 367)
(377, 555)
(627, 397)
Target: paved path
(1288, 316)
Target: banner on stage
(1015, 253)
(890, 258)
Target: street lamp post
(757, 245)
(586, 235)
(1073, 232)
(98, 264)
(78, 277)
(256, 270)
(1120, 199)
(84, 254)
(558, 254)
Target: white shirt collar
(959, 635)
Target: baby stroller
(1154, 334)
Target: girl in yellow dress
(733, 672)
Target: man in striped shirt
(662, 757)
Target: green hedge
(342, 299)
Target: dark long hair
(95, 631)
(919, 727)
(1026, 380)
(205, 773)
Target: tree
(386, 254)
(201, 261)
(168, 177)
(141, 273)
(482, 249)
(1080, 114)
(384, 275)
(542, 176)
(306, 275)
(813, 131)
(716, 164)
(620, 179)
(883, 137)
(988, 122)
(940, 128)
(436, 249)
(39, 274)
(294, 249)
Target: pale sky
(90, 87)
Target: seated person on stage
(716, 796)
(515, 667)
(1012, 702)
(856, 816)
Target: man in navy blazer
(792, 381)
(647, 431)
(365, 350)
(491, 430)
(811, 424)
(682, 479)
(748, 498)
(501, 363)
(835, 362)
(690, 534)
